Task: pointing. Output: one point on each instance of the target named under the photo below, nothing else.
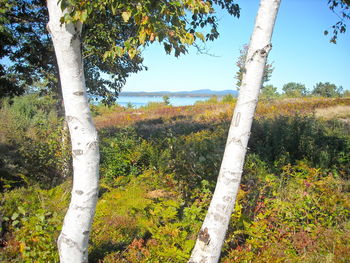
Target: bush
(123, 155)
(32, 220)
(157, 178)
(31, 142)
(196, 157)
(147, 222)
(300, 215)
(327, 90)
(288, 139)
(154, 105)
(228, 99)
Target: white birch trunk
(73, 240)
(212, 234)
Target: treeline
(296, 90)
(289, 90)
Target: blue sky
(301, 53)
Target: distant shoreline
(165, 94)
(195, 93)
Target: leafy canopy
(327, 90)
(176, 24)
(293, 89)
(112, 36)
(269, 92)
(31, 62)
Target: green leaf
(119, 51)
(84, 15)
(132, 52)
(14, 216)
(14, 223)
(126, 16)
(21, 210)
(41, 217)
(200, 36)
(114, 10)
(142, 37)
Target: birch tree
(73, 240)
(212, 234)
(164, 21)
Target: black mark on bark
(77, 152)
(93, 144)
(204, 236)
(79, 192)
(82, 208)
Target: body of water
(139, 101)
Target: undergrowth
(157, 177)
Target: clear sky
(301, 53)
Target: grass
(341, 112)
(208, 112)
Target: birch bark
(73, 240)
(212, 234)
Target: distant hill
(193, 93)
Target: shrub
(300, 215)
(124, 154)
(288, 139)
(228, 99)
(196, 157)
(154, 105)
(327, 90)
(32, 220)
(147, 221)
(31, 141)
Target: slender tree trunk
(212, 233)
(73, 240)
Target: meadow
(158, 170)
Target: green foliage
(175, 24)
(213, 99)
(340, 7)
(8, 85)
(166, 100)
(293, 89)
(299, 215)
(147, 222)
(153, 105)
(157, 177)
(30, 142)
(31, 219)
(228, 99)
(103, 109)
(196, 157)
(192, 158)
(286, 140)
(327, 90)
(31, 60)
(122, 155)
(269, 92)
